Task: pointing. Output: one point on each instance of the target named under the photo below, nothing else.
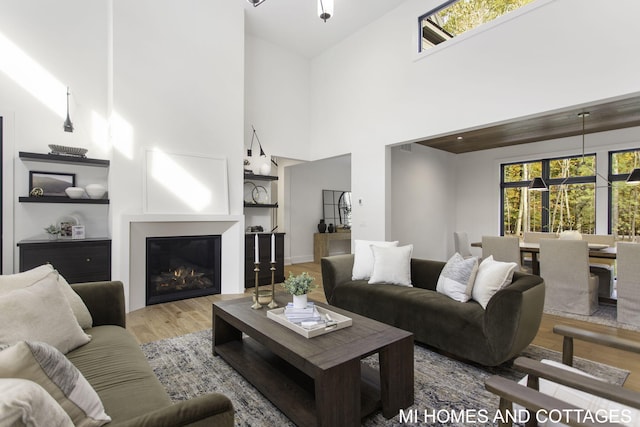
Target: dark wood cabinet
(86, 260)
(264, 247)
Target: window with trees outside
(624, 199)
(568, 205)
(454, 17)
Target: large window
(624, 199)
(569, 203)
(454, 17)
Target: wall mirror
(336, 206)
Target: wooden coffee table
(317, 381)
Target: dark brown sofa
(116, 368)
(464, 330)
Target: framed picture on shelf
(66, 229)
(52, 183)
(77, 232)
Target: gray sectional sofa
(464, 330)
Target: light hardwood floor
(182, 317)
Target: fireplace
(180, 267)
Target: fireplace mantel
(137, 227)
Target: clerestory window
(455, 17)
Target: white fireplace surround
(138, 227)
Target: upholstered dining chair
(461, 244)
(602, 267)
(628, 283)
(503, 248)
(570, 286)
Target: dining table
(596, 250)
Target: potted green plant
(299, 286)
(53, 231)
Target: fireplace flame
(182, 278)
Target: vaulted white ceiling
(295, 25)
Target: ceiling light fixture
(68, 126)
(325, 7)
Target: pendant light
(68, 126)
(325, 9)
(538, 184)
(634, 177)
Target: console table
(321, 243)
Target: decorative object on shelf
(77, 232)
(322, 227)
(68, 126)
(260, 195)
(299, 286)
(95, 191)
(63, 150)
(248, 191)
(51, 183)
(36, 192)
(75, 192)
(331, 228)
(53, 231)
(66, 226)
(325, 8)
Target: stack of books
(299, 315)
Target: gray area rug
(605, 315)
(186, 367)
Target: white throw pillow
(457, 277)
(392, 265)
(26, 403)
(363, 258)
(40, 313)
(46, 366)
(491, 277)
(10, 282)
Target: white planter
(299, 301)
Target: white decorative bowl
(95, 191)
(74, 192)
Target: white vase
(265, 167)
(300, 301)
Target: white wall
(178, 85)
(45, 47)
(372, 90)
(304, 183)
(277, 89)
(170, 75)
(423, 188)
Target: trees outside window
(624, 199)
(455, 17)
(568, 205)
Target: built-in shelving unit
(58, 158)
(62, 199)
(251, 176)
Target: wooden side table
(321, 243)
